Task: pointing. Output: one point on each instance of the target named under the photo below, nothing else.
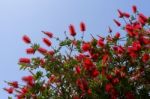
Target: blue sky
(19, 17)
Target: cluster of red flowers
(21, 91)
(102, 68)
(73, 31)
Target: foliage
(101, 68)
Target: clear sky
(19, 17)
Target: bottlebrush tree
(101, 68)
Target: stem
(125, 20)
(82, 37)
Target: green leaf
(132, 17)
(94, 42)
(65, 42)
(9, 97)
(23, 66)
(38, 75)
(78, 45)
(35, 46)
(149, 21)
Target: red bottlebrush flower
(82, 84)
(24, 60)
(85, 84)
(118, 49)
(79, 83)
(109, 77)
(95, 73)
(51, 52)
(117, 71)
(42, 50)
(80, 57)
(14, 84)
(130, 30)
(137, 26)
(78, 69)
(42, 62)
(123, 68)
(89, 91)
(22, 94)
(115, 81)
(117, 35)
(29, 80)
(145, 40)
(117, 23)
(122, 75)
(127, 15)
(52, 78)
(94, 57)
(133, 55)
(142, 19)
(47, 42)
(72, 30)
(26, 39)
(100, 42)
(49, 34)
(114, 94)
(136, 45)
(145, 57)
(82, 27)
(88, 64)
(105, 58)
(104, 71)
(9, 90)
(134, 9)
(129, 95)
(31, 83)
(130, 49)
(120, 13)
(87, 61)
(75, 97)
(108, 87)
(24, 90)
(86, 47)
(30, 51)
